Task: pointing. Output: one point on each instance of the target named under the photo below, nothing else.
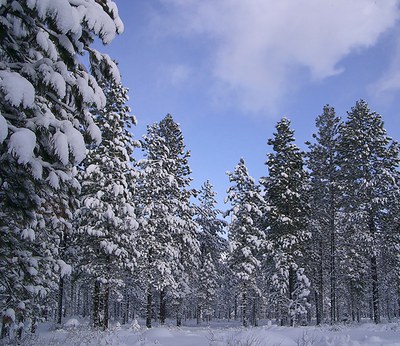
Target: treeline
(318, 237)
(87, 230)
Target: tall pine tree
(322, 162)
(107, 216)
(246, 238)
(167, 239)
(286, 190)
(369, 160)
(212, 245)
(45, 96)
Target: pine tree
(45, 95)
(287, 229)
(107, 217)
(167, 236)
(390, 259)
(211, 246)
(369, 161)
(246, 237)
(322, 162)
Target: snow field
(220, 334)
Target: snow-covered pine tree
(212, 245)
(324, 202)
(286, 190)
(45, 94)
(390, 259)
(369, 160)
(107, 219)
(167, 235)
(246, 238)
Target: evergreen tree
(369, 160)
(212, 246)
(107, 215)
(390, 259)
(45, 95)
(287, 218)
(167, 238)
(322, 162)
(246, 237)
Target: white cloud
(261, 46)
(175, 74)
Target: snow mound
(158, 333)
(72, 323)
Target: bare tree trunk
(127, 302)
(179, 312)
(34, 325)
(375, 290)
(96, 304)
(60, 300)
(333, 276)
(244, 309)
(163, 306)
(85, 301)
(374, 276)
(333, 257)
(106, 298)
(149, 306)
(320, 300)
(236, 307)
(62, 247)
(290, 294)
(254, 319)
(198, 314)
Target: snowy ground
(222, 334)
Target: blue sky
(228, 70)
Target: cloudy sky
(228, 70)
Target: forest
(88, 229)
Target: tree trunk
(60, 300)
(198, 314)
(353, 304)
(333, 279)
(179, 312)
(163, 306)
(317, 306)
(320, 300)
(85, 301)
(244, 309)
(291, 287)
(254, 319)
(374, 276)
(106, 305)
(126, 313)
(375, 290)
(235, 313)
(62, 246)
(333, 258)
(96, 304)
(34, 324)
(149, 306)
